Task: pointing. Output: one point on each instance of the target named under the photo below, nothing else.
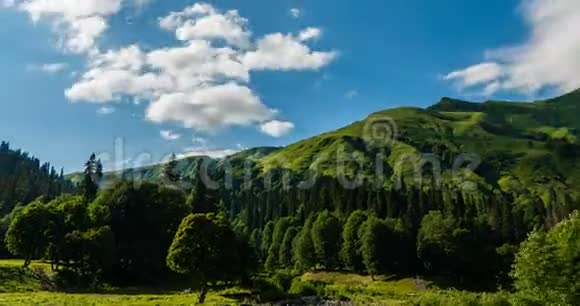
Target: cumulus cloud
(202, 83)
(210, 108)
(285, 52)
(78, 23)
(203, 21)
(548, 59)
(169, 135)
(277, 128)
(49, 68)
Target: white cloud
(169, 135)
(295, 13)
(202, 84)
(549, 57)
(285, 52)
(476, 75)
(215, 153)
(78, 23)
(106, 110)
(50, 68)
(115, 74)
(175, 19)
(310, 33)
(210, 108)
(198, 62)
(277, 128)
(202, 21)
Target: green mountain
(534, 143)
(520, 145)
(525, 154)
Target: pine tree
(304, 255)
(89, 184)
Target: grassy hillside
(516, 147)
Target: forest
(262, 237)
(459, 203)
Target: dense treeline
(468, 235)
(23, 178)
(143, 233)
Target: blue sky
(71, 84)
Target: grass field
(20, 287)
(50, 298)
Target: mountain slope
(515, 148)
(23, 178)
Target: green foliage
(350, 251)
(303, 246)
(27, 235)
(285, 254)
(144, 218)
(267, 238)
(23, 179)
(87, 258)
(205, 249)
(326, 239)
(436, 243)
(201, 198)
(92, 176)
(376, 238)
(282, 225)
(547, 268)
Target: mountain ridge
(515, 141)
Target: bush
(71, 280)
(267, 290)
(282, 279)
(306, 288)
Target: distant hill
(186, 167)
(532, 142)
(23, 178)
(523, 152)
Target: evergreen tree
(304, 254)
(202, 199)
(285, 254)
(89, 184)
(326, 238)
(374, 242)
(350, 251)
(280, 229)
(267, 238)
